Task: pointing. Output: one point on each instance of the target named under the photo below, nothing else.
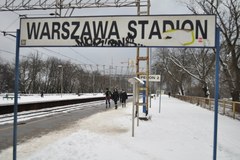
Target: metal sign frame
(216, 46)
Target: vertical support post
(144, 94)
(137, 87)
(134, 101)
(147, 83)
(137, 102)
(210, 106)
(234, 110)
(224, 106)
(217, 39)
(16, 96)
(160, 94)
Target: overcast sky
(94, 56)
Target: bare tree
(228, 19)
(30, 69)
(52, 75)
(6, 77)
(37, 75)
(185, 66)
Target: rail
(27, 106)
(226, 107)
(8, 108)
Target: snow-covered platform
(180, 131)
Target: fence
(225, 107)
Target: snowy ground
(182, 131)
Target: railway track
(45, 112)
(6, 109)
(33, 110)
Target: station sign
(119, 31)
(152, 78)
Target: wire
(60, 54)
(82, 55)
(14, 21)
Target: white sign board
(119, 31)
(152, 78)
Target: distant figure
(42, 94)
(169, 94)
(123, 98)
(108, 97)
(115, 97)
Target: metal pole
(217, 39)
(93, 82)
(134, 101)
(62, 82)
(160, 94)
(137, 102)
(16, 96)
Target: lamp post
(60, 66)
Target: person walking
(115, 97)
(120, 96)
(123, 98)
(108, 95)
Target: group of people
(116, 96)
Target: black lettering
(120, 43)
(177, 24)
(79, 43)
(88, 41)
(45, 31)
(32, 30)
(132, 35)
(130, 42)
(73, 35)
(65, 30)
(114, 30)
(98, 42)
(143, 23)
(187, 22)
(112, 43)
(155, 31)
(199, 27)
(86, 32)
(98, 31)
(167, 22)
(55, 29)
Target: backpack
(108, 93)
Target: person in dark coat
(120, 96)
(41, 93)
(108, 95)
(115, 97)
(123, 98)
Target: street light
(60, 66)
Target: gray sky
(80, 55)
